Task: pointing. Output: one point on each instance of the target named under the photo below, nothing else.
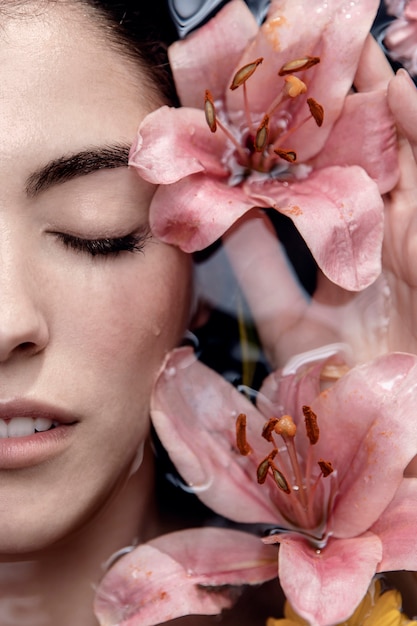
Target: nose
(23, 327)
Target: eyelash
(108, 246)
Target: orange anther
(241, 441)
(312, 428)
(316, 110)
(268, 428)
(287, 155)
(298, 65)
(210, 111)
(261, 136)
(326, 467)
(263, 467)
(244, 73)
(279, 478)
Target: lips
(33, 432)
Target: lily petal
(363, 132)
(182, 573)
(206, 59)
(174, 143)
(312, 579)
(194, 412)
(339, 213)
(370, 453)
(397, 529)
(196, 211)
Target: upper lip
(34, 408)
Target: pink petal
(339, 213)
(196, 211)
(173, 143)
(397, 528)
(371, 451)
(364, 135)
(298, 383)
(325, 586)
(175, 574)
(206, 59)
(194, 412)
(335, 32)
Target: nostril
(26, 346)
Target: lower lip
(22, 452)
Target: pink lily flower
(401, 35)
(288, 134)
(331, 492)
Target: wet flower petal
(180, 214)
(339, 213)
(172, 144)
(397, 526)
(364, 110)
(183, 573)
(312, 580)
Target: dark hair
(144, 30)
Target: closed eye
(107, 246)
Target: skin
(85, 334)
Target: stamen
(312, 428)
(244, 73)
(316, 110)
(279, 478)
(210, 111)
(241, 441)
(268, 428)
(287, 155)
(298, 65)
(285, 427)
(263, 467)
(294, 86)
(261, 136)
(326, 467)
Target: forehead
(62, 82)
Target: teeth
(24, 426)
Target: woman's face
(84, 323)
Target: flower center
(297, 483)
(263, 145)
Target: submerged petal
(183, 573)
(339, 213)
(325, 586)
(194, 412)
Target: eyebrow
(79, 164)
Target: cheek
(119, 319)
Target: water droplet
(171, 371)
